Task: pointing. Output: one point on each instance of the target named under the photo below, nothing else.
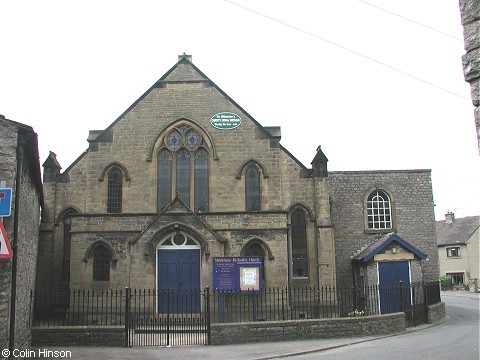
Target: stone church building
(186, 174)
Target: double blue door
(178, 281)
(394, 296)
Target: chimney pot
(449, 217)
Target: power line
(413, 21)
(347, 49)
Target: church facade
(186, 175)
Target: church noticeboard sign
(225, 121)
(238, 273)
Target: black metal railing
(60, 307)
(110, 307)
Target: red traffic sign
(5, 249)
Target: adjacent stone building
(20, 172)
(186, 174)
(470, 14)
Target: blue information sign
(237, 273)
(5, 202)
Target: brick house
(186, 174)
(20, 172)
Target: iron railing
(109, 307)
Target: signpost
(5, 202)
(5, 210)
(237, 274)
(5, 249)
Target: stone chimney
(449, 217)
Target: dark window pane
(201, 181)
(252, 189)
(299, 244)
(101, 264)
(183, 176)
(164, 179)
(114, 201)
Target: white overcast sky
(378, 84)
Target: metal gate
(167, 317)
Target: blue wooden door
(393, 296)
(178, 281)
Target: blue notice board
(237, 273)
(5, 202)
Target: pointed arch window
(299, 244)
(101, 263)
(67, 240)
(182, 168)
(201, 180)
(379, 211)
(183, 175)
(164, 178)
(252, 189)
(115, 183)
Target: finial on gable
(185, 56)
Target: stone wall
(74, 336)
(470, 14)
(413, 214)
(8, 167)
(18, 151)
(225, 334)
(436, 313)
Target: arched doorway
(178, 273)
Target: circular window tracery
(178, 240)
(192, 139)
(174, 140)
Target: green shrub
(445, 282)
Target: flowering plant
(356, 313)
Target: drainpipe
(14, 245)
(289, 258)
(289, 268)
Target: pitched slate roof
(456, 232)
(379, 243)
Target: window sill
(379, 231)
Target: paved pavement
(252, 351)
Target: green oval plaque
(225, 121)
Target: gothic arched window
(101, 263)
(67, 240)
(114, 198)
(164, 178)
(182, 169)
(201, 180)
(252, 189)
(299, 243)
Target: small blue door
(178, 281)
(393, 296)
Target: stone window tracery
(182, 168)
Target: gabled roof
(380, 243)
(457, 232)
(175, 214)
(183, 71)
